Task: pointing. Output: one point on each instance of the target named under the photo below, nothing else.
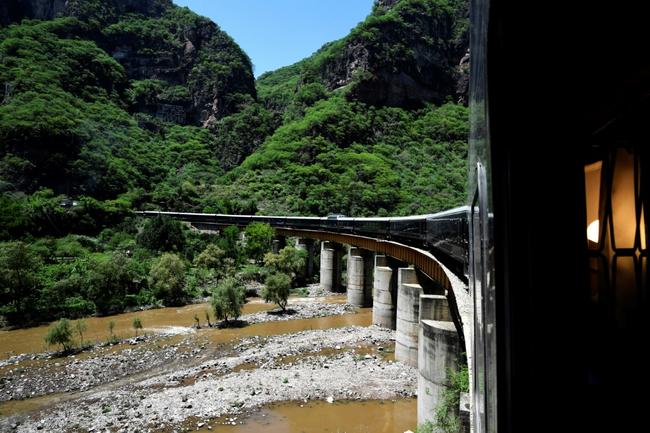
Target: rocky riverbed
(165, 384)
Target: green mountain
(371, 123)
(110, 101)
(110, 105)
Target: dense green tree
(290, 261)
(167, 278)
(277, 289)
(228, 299)
(212, 257)
(258, 240)
(60, 333)
(19, 268)
(162, 234)
(110, 279)
(229, 243)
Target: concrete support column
(408, 311)
(278, 243)
(331, 266)
(360, 277)
(438, 352)
(384, 304)
(308, 246)
(434, 307)
(275, 246)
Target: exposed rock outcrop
(201, 73)
(409, 53)
(15, 10)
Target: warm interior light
(592, 189)
(643, 241)
(593, 230)
(624, 201)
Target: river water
(30, 340)
(292, 417)
(322, 417)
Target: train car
(303, 223)
(447, 236)
(411, 230)
(273, 221)
(372, 227)
(337, 223)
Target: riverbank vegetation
(138, 264)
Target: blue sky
(276, 33)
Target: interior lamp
(616, 232)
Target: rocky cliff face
(408, 52)
(15, 10)
(183, 67)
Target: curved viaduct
(408, 287)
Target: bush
(277, 289)
(212, 257)
(18, 275)
(167, 278)
(228, 299)
(109, 281)
(289, 260)
(258, 240)
(446, 414)
(60, 333)
(137, 324)
(162, 234)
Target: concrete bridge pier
(308, 245)
(331, 266)
(438, 351)
(278, 243)
(384, 303)
(408, 321)
(360, 277)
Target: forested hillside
(110, 106)
(371, 124)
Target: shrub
(212, 257)
(137, 324)
(167, 278)
(228, 299)
(60, 333)
(289, 260)
(277, 289)
(80, 327)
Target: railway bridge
(410, 270)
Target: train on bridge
(444, 233)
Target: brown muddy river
(362, 318)
(30, 340)
(292, 417)
(322, 417)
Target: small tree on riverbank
(80, 327)
(60, 333)
(277, 289)
(137, 324)
(228, 299)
